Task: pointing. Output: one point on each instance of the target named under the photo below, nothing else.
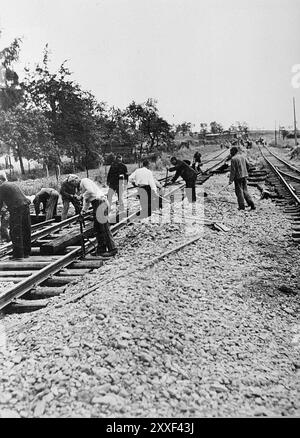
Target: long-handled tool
(82, 226)
(223, 188)
(166, 180)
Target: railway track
(285, 178)
(59, 257)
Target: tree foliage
(10, 91)
(184, 128)
(239, 127)
(26, 132)
(149, 126)
(75, 116)
(203, 128)
(216, 128)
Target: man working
(19, 217)
(116, 178)
(92, 194)
(143, 179)
(4, 227)
(238, 175)
(49, 198)
(68, 193)
(188, 174)
(197, 162)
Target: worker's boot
(101, 249)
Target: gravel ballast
(211, 330)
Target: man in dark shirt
(68, 193)
(19, 220)
(49, 198)
(117, 176)
(197, 162)
(188, 174)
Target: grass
(32, 186)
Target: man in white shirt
(94, 195)
(144, 180)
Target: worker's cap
(73, 178)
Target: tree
(10, 91)
(75, 116)
(80, 125)
(184, 128)
(216, 128)
(27, 133)
(239, 127)
(203, 128)
(117, 129)
(152, 128)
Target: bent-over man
(68, 193)
(238, 174)
(19, 217)
(188, 174)
(144, 180)
(48, 197)
(92, 194)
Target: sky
(202, 60)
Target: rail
(281, 178)
(36, 278)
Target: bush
(67, 167)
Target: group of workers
(85, 193)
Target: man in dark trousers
(19, 220)
(238, 174)
(69, 194)
(197, 162)
(188, 174)
(49, 198)
(116, 178)
(143, 179)
(93, 194)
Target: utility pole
(275, 134)
(295, 123)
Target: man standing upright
(19, 217)
(197, 162)
(238, 174)
(144, 180)
(116, 178)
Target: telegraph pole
(275, 134)
(295, 123)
